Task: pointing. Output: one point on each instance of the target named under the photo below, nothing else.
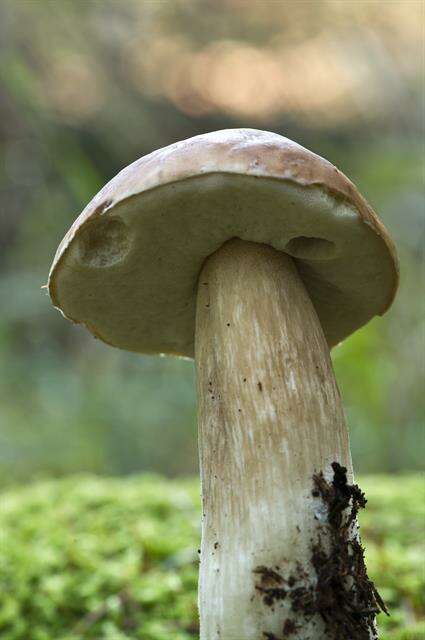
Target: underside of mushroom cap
(128, 268)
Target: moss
(84, 558)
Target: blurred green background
(89, 86)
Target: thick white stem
(270, 415)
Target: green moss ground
(116, 559)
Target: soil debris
(269, 575)
(344, 597)
(341, 594)
(267, 585)
(289, 628)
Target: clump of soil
(289, 628)
(341, 594)
(269, 586)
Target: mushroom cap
(128, 267)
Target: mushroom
(254, 255)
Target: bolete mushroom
(255, 256)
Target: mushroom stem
(270, 416)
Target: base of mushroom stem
(326, 595)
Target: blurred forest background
(88, 87)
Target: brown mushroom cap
(128, 267)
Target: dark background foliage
(86, 88)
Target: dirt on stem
(341, 593)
